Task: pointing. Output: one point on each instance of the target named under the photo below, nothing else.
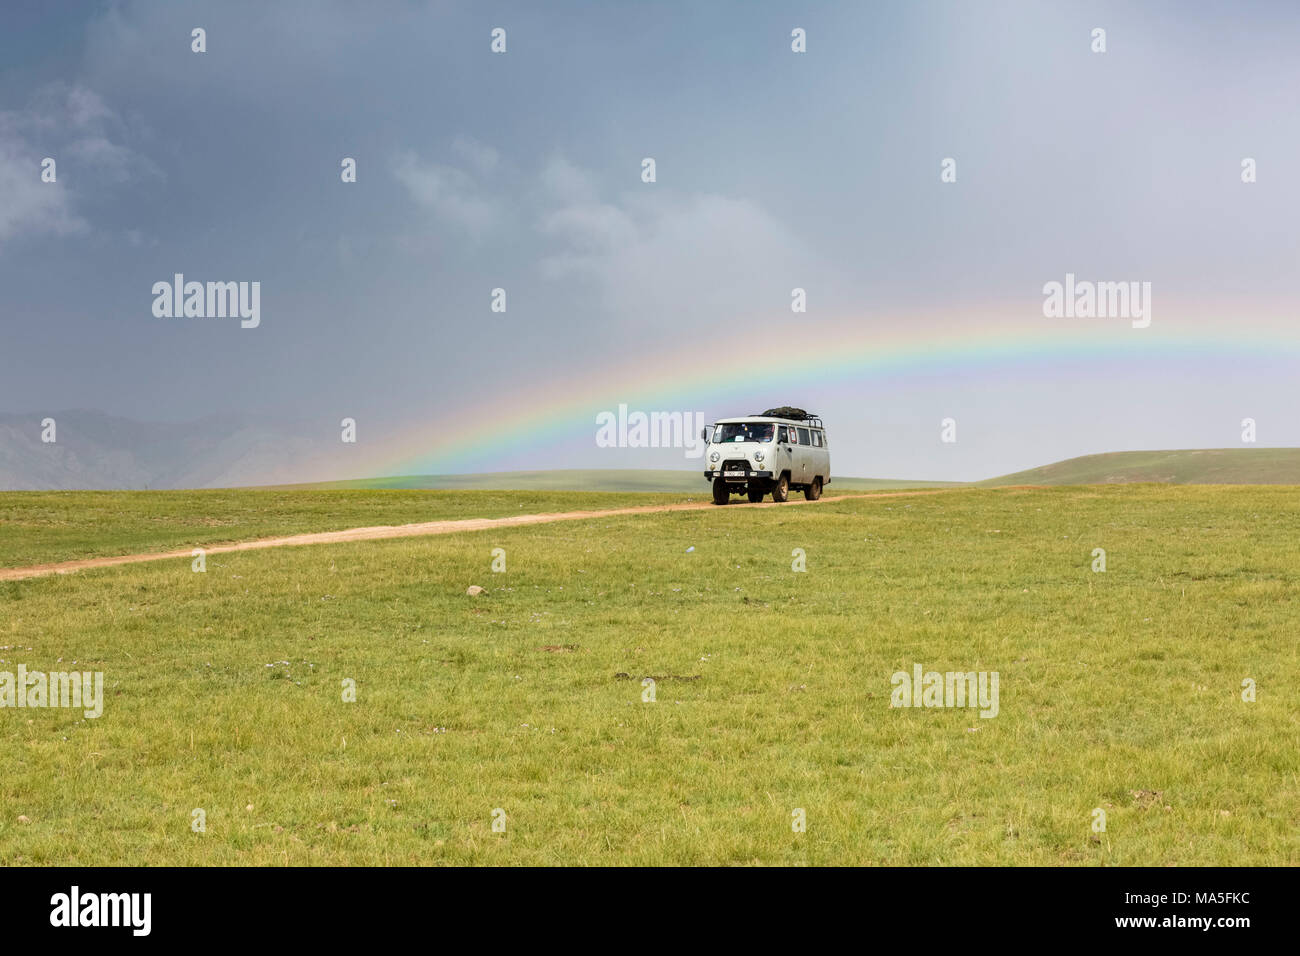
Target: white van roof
(810, 423)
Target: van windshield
(743, 431)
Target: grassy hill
(1195, 466)
(589, 479)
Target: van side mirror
(704, 434)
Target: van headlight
(714, 456)
(758, 455)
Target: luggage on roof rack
(790, 412)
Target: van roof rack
(794, 414)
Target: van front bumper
(748, 475)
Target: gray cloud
(452, 194)
(75, 127)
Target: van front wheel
(721, 493)
(814, 490)
(781, 490)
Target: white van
(760, 454)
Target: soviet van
(758, 455)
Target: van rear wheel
(781, 490)
(814, 490)
(721, 493)
(756, 492)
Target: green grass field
(41, 526)
(1119, 690)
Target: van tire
(721, 493)
(781, 489)
(813, 491)
(756, 492)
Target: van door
(785, 460)
(821, 458)
(805, 455)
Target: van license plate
(733, 474)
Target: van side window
(817, 438)
(803, 437)
(780, 434)
(793, 435)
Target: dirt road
(402, 531)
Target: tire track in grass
(417, 530)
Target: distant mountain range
(95, 450)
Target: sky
(775, 170)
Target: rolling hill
(588, 480)
(1204, 466)
(1193, 466)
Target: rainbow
(816, 358)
